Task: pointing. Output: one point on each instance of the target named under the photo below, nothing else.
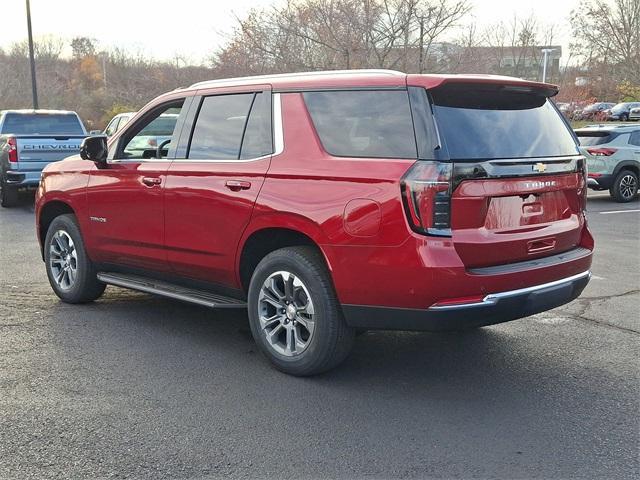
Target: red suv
(329, 202)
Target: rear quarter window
(363, 123)
(488, 122)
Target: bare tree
(338, 34)
(607, 35)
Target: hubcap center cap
(291, 311)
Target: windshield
(488, 123)
(42, 124)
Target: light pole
(546, 52)
(34, 87)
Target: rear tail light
(602, 152)
(582, 187)
(426, 193)
(12, 149)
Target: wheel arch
(47, 213)
(627, 165)
(260, 242)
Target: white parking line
(619, 211)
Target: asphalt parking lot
(139, 387)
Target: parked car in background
(328, 202)
(29, 141)
(595, 111)
(634, 114)
(613, 158)
(117, 123)
(621, 111)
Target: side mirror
(95, 149)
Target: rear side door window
(363, 123)
(232, 127)
(634, 139)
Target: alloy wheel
(628, 186)
(63, 260)
(286, 313)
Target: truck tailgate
(36, 151)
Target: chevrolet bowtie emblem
(539, 167)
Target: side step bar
(165, 289)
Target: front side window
(363, 123)
(154, 131)
(112, 127)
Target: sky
(196, 28)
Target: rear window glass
(42, 124)
(499, 122)
(363, 123)
(589, 139)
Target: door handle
(237, 185)
(151, 181)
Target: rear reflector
(453, 302)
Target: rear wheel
(294, 313)
(8, 195)
(71, 273)
(625, 186)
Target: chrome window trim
(278, 139)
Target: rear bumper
(603, 182)
(493, 308)
(19, 178)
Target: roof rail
(297, 74)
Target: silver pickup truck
(30, 140)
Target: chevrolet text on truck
(328, 202)
(30, 140)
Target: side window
(257, 140)
(112, 127)
(122, 123)
(219, 128)
(363, 123)
(634, 139)
(151, 132)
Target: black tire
(8, 195)
(85, 286)
(331, 340)
(624, 117)
(625, 186)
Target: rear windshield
(499, 122)
(42, 124)
(363, 123)
(589, 139)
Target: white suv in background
(613, 158)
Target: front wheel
(294, 314)
(625, 186)
(71, 273)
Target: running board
(165, 289)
